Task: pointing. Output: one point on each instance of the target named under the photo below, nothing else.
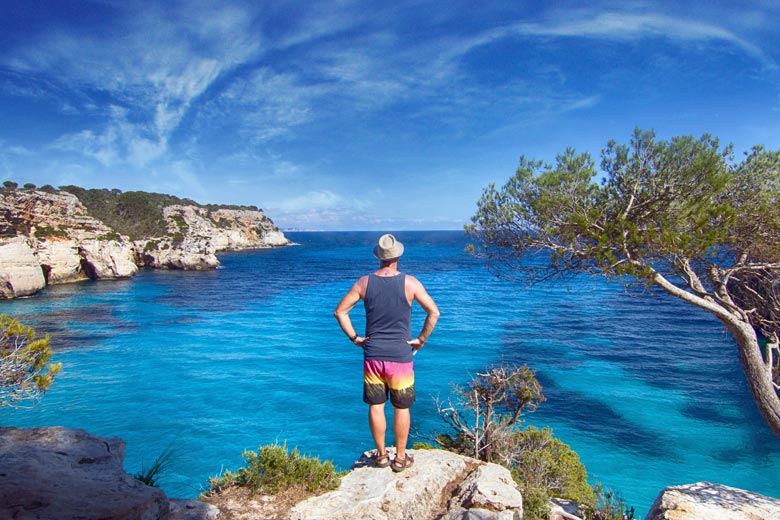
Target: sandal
(381, 461)
(401, 464)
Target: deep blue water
(648, 390)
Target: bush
(544, 464)
(609, 506)
(50, 232)
(272, 469)
(24, 374)
(485, 419)
(485, 413)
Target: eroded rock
(21, 274)
(64, 473)
(440, 484)
(713, 502)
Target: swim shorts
(383, 377)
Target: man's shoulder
(411, 280)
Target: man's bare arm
(422, 297)
(347, 303)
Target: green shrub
(137, 214)
(485, 418)
(272, 468)
(49, 232)
(111, 235)
(541, 461)
(609, 505)
(536, 504)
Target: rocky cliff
(50, 237)
(58, 472)
(63, 473)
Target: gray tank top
(388, 319)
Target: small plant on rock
(272, 468)
(151, 475)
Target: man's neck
(387, 269)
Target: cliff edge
(51, 237)
(57, 472)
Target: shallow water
(647, 390)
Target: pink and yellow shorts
(381, 378)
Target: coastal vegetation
(680, 215)
(485, 419)
(137, 214)
(24, 373)
(274, 470)
(151, 475)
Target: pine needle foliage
(681, 215)
(24, 373)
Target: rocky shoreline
(49, 237)
(65, 473)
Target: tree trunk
(757, 372)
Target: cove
(646, 389)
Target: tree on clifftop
(24, 374)
(679, 214)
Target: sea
(645, 388)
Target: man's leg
(402, 420)
(378, 425)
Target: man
(387, 346)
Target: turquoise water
(647, 390)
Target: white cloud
(312, 200)
(162, 63)
(615, 26)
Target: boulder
(440, 485)
(21, 274)
(713, 502)
(192, 510)
(63, 473)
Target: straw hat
(388, 248)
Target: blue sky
(366, 115)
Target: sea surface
(648, 390)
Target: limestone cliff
(50, 237)
(196, 234)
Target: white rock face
(69, 245)
(61, 259)
(440, 485)
(201, 233)
(108, 259)
(21, 274)
(705, 500)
